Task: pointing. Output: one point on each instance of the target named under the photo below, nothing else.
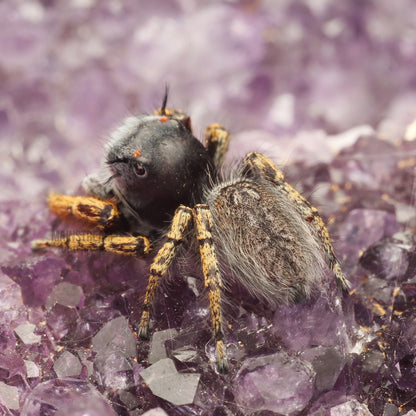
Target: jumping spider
(267, 236)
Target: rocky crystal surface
(326, 88)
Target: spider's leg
(180, 223)
(217, 139)
(203, 222)
(260, 166)
(125, 245)
(101, 214)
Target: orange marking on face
(137, 153)
(163, 119)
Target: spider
(159, 183)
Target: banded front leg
(125, 245)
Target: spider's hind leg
(259, 166)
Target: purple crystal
(369, 171)
(297, 326)
(362, 228)
(26, 333)
(65, 397)
(392, 410)
(65, 294)
(327, 363)
(187, 354)
(279, 383)
(115, 335)
(67, 365)
(9, 395)
(62, 320)
(167, 383)
(386, 258)
(32, 370)
(372, 361)
(130, 400)
(115, 348)
(159, 412)
(11, 364)
(37, 278)
(351, 408)
(405, 374)
(157, 347)
(11, 305)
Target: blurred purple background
(70, 71)
(298, 80)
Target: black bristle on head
(165, 100)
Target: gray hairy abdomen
(264, 243)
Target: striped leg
(180, 223)
(217, 139)
(259, 165)
(203, 222)
(125, 245)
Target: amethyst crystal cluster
(326, 88)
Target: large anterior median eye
(140, 171)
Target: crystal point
(167, 383)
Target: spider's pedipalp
(164, 257)
(259, 166)
(94, 211)
(203, 224)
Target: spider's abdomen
(263, 240)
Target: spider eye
(140, 171)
